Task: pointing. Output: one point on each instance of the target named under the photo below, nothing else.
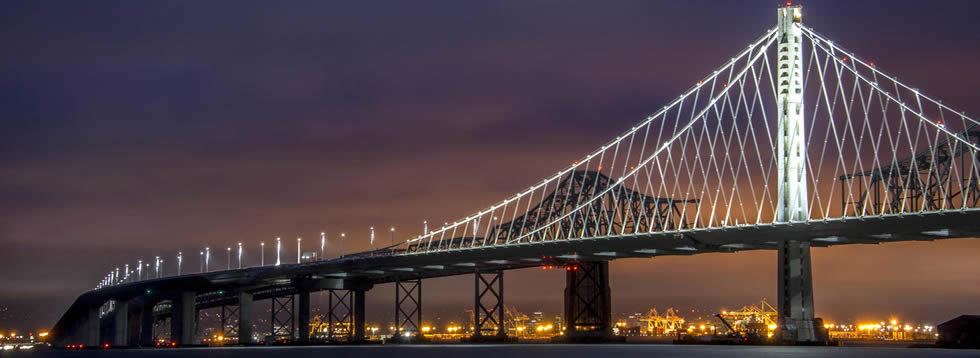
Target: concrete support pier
(146, 325)
(359, 315)
(120, 324)
(588, 307)
(796, 321)
(90, 327)
(246, 318)
(183, 318)
(303, 317)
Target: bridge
(795, 142)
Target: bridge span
(793, 143)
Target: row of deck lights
(143, 271)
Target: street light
(299, 240)
(156, 267)
(139, 270)
(207, 259)
(126, 272)
(201, 262)
(392, 236)
(239, 255)
(278, 249)
(180, 261)
(323, 245)
(425, 227)
(228, 260)
(342, 236)
(262, 260)
(372, 238)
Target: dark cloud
(139, 129)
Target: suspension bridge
(795, 142)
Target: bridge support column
(90, 328)
(488, 319)
(303, 316)
(408, 309)
(230, 316)
(359, 315)
(246, 318)
(796, 321)
(340, 313)
(120, 324)
(146, 325)
(588, 309)
(182, 319)
(133, 325)
(282, 317)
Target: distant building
(961, 332)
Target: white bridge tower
(796, 322)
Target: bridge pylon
(796, 321)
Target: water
(512, 351)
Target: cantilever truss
(873, 146)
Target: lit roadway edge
(269, 281)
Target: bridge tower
(796, 321)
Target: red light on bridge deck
(872, 64)
(844, 59)
(105, 345)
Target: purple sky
(134, 129)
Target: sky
(135, 129)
